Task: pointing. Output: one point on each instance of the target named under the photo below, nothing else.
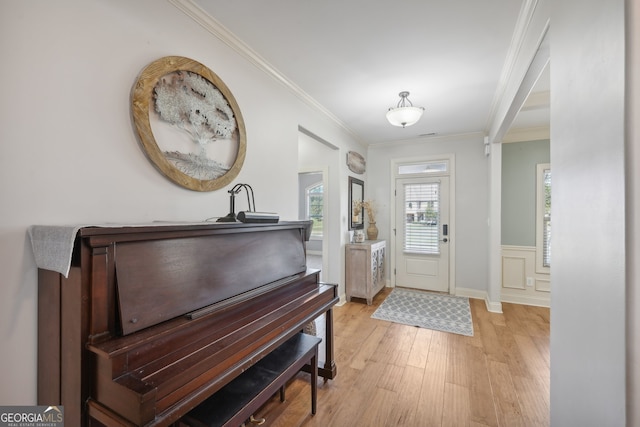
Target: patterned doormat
(427, 310)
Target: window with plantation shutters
(543, 218)
(421, 218)
(546, 219)
(315, 208)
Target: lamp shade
(404, 116)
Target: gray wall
(588, 294)
(519, 160)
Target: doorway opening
(312, 202)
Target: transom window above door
(428, 168)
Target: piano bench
(237, 401)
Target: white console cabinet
(365, 269)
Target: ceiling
(354, 57)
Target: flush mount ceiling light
(404, 114)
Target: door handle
(445, 240)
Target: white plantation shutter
(546, 220)
(543, 218)
(422, 218)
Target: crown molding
(517, 40)
(213, 26)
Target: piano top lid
(53, 245)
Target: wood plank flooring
(397, 375)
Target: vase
(372, 231)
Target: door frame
(394, 163)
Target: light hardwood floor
(397, 375)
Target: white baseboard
(471, 293)
(527, 300)
(493, 307)
(314, 253)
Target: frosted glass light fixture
(404, 114)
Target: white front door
(422, 233)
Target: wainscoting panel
(521, 284)
(543, 285)
(513, 272)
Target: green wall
(519, 160)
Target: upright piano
(152, 320)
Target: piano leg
(329, 371)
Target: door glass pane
(422, 218)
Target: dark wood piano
(152, 320)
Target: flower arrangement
(369, 206)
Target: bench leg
(282, 394)
(314, 381)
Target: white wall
(587, 152)
(471, 197)
(68, 150)
(632, 209)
